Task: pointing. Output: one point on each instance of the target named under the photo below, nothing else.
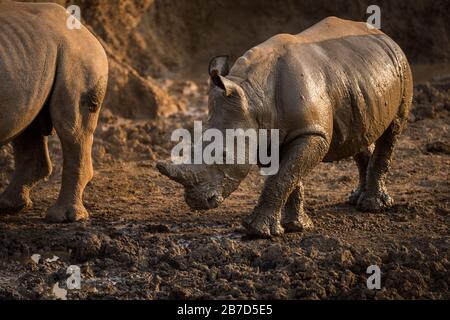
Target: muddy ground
(143, 242)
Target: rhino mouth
(210, 201)
(205, 188)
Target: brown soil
(144, 242)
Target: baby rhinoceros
(51, 78)
(332, 91)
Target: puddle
(102, 281)
(230, 236)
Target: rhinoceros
(332, 91)
(52, 78)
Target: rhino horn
(177, 173)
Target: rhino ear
(219, 66)
(223, 83)
(218, 70)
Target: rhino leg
(376, 198)
(362, 160)
(75, 118)
(32, 164)
(298, 159)
(296, 219)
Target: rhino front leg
(296, 219)
(362, 160)
(298, 159)
(32, 164)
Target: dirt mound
(132, 96)
(131, 93)
(156, 36)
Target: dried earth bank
(143, 242)
(151, 40)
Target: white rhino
(51, 78)
(333, 91)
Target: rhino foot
(303, 223)
(354, 196)
(263, 225)
(375, 203)
(61, 214)
(11, 205)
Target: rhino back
(362, 78)
(358, 73)
(37, 52)
(28, 53)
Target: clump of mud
(118, 138)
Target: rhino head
(207, 186)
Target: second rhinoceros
(333, 92)
(51, 77)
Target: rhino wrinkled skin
(51, 78)
(336, 90)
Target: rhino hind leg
(295, 217)
(376, 197)
(32, 164)
(362, 160)
(75, 123)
